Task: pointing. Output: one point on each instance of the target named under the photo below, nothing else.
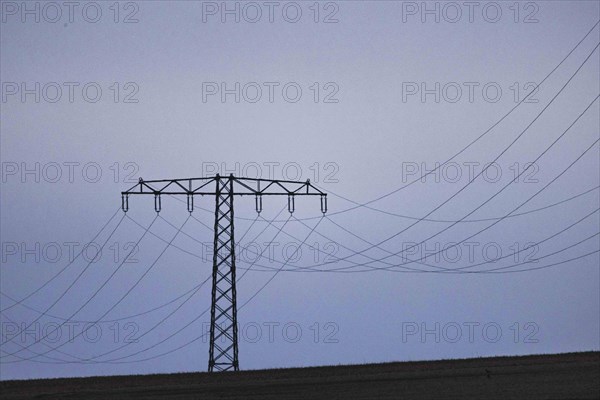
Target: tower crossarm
(241, 186)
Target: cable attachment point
(125, 202)
(291, 203)
(323, 203)
(258, 203)
(190, 203)
(157, 204)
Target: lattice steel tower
(223, 351)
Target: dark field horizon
(551, 376)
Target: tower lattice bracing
(223, 353)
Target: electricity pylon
(223, 351)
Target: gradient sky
(364, 136)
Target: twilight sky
(360, 97)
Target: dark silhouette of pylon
(223, 308)
(223, 350)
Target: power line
(202, 336)
(523, 171)
(481, 205)
(282, 266)
(522, 204)
(498, 192)
(534, 210)
(501, 153)
(185, 326)
(392, 267)
(72, 283)
(204, 312)
(489, 226)
(503, 269)
(530, 197)
(194, 290)
(16, 302)
(473, 220)
(365, 205)
(540, 156)
(486, 167)
(92, 297)
(310, 269)
(174, 311)
(313, 229)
